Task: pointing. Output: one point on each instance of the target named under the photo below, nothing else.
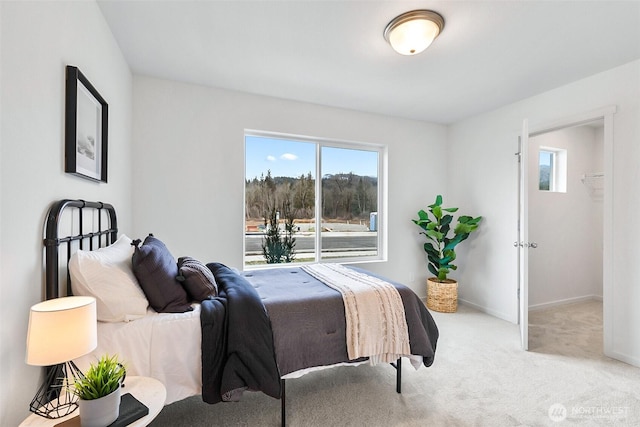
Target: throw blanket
(375, 318)
(237, 342)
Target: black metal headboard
(87, 226)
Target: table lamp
(60, 330)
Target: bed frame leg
(283, 403)
(398, 366)
(399, 375)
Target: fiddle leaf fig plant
(441, 239)
(101, 379)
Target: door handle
(531, 245)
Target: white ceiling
(330, 52)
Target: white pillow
(107, 275)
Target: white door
(523, 237)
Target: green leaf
(450, 209)
(423, 215)
(437, 212)
(451, 254)
(434, 234)
(431, 251)
(421, 224)
(453, 242)
(464, 228)
(438, 200)
(465, 219)
(433, 270)
(434, 260)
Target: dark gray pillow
(197, 279)
(156, 271)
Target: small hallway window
(552, 168)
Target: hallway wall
(567, 226)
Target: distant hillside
(545, 172)
(344, 195)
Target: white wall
(484, 176)
(567, 226)
(189, 168)
(38, 39)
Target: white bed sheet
(164, 346)
(167, 347)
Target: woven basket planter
(442, 297)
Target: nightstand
(149, 391)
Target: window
(552, 167)
(291, 216)
(546, 170)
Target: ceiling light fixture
(412, 32)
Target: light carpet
(480, 377)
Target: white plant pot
(100, 412)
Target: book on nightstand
(131, 409)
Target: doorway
(565, 211)
(527, 246)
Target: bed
(262, 328)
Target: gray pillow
(197, 279)
(156, 271)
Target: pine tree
(289, 242)
(276, 246)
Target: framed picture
(86, 126)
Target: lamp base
(54, 399)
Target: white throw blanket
(375, 320)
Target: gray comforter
(308, 319)
(267, 323)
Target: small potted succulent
(442, 292)
(98, 391)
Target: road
(330, 241)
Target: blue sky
(294, 158)
(545, 158)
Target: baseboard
(634, 361)
(567, 301)
(482, 309)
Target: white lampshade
(413, 32)
(61, 330)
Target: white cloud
(289, 156)
(271, 158)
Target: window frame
(382, 190)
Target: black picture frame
(86, 125)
